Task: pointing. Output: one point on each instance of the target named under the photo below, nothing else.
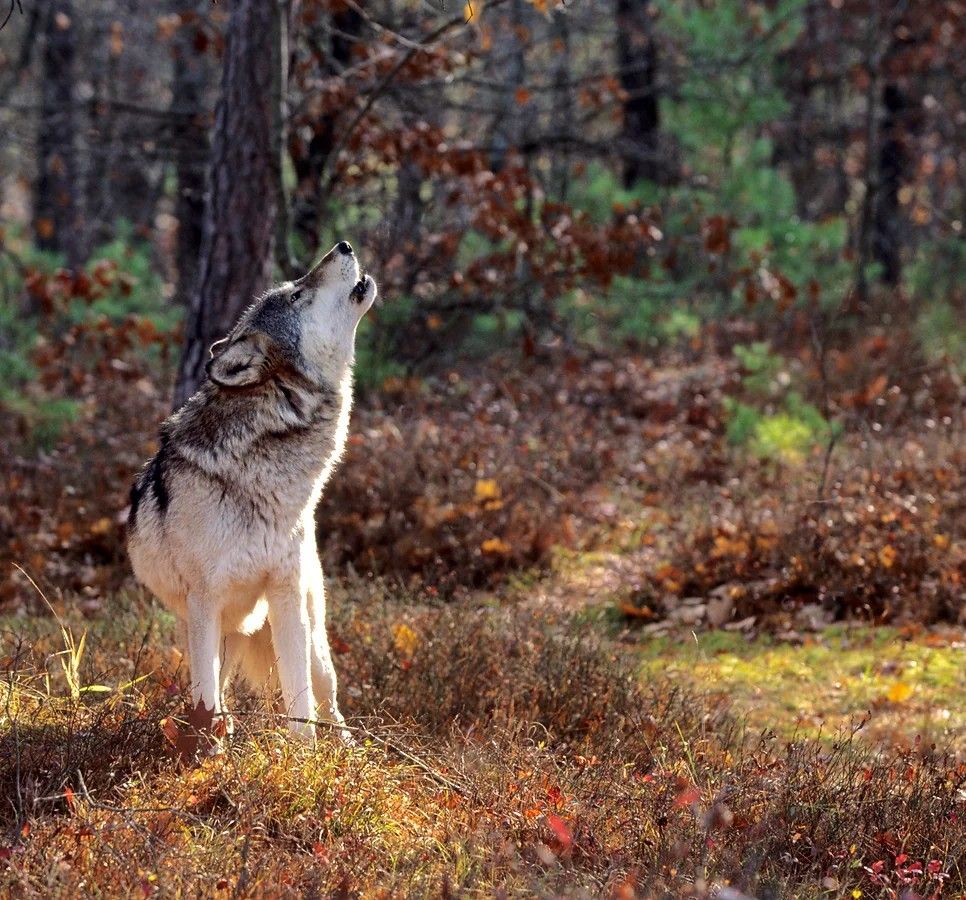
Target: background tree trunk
(334, 45)
(56, 222)
(123, 176)
(887, 216)
(507, 125)
(563, 102)
(637, 68)
(239, 223)
(190, 140)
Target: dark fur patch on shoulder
(156, 473)
(137, 492)
(152, 476)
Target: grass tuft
(501, 750)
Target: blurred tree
(887, 215)
(331, 38)
(508, 125)
(239, 223)
(637, 68)
(190, 75)
(56, 220)
(123, 175)
(563, 101)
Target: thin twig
(377, 92)
(19, 6)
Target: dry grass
(502, 751)
(509, 746)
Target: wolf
(221, 523)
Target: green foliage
(936, 272)
(936, 280)
(375, 341)
(126, 287)
(491, 331)
(762, 368)
(714, 118)
(941, 330)
(766, 253)
(776, 423)
(139, 293)
(600, 189)
(473, 246)
(43, 418)
(647, 310)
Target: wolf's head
(307, 326)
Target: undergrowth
(500, 751)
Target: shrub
(57, 326)
(779, 424)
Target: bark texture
(310, 158)
(190, 145)
(887, 218)
(56, 223)
(236, 256)
(637, 66)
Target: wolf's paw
(344, 736)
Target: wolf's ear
(218, 347)
(241, 363)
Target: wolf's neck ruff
(270, 449)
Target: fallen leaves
(900, 692)
(496, 547)
(405, 640)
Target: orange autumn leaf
(496, 547)
(887, 556)
(405, 640)
(636, 612)
(688, 796)
(486, 489)
(560, 830)
(899, 692)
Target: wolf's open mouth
(358, 291)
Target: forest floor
(607, 657)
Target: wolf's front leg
(323, 669)
(204, 657)
(288, 616)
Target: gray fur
(221, 523)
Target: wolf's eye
(294, 296)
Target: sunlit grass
(910, 684)
(514, 752)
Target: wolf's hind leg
(233, 646)
(257, 661)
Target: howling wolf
(221, 525)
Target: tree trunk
(239, 224)
(563, 101)
(508, 125)
(190, 137)
(637, 67)
(56, 222)
(309, 160)
(887, 219)
(123, 178)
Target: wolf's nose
(344, 247)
